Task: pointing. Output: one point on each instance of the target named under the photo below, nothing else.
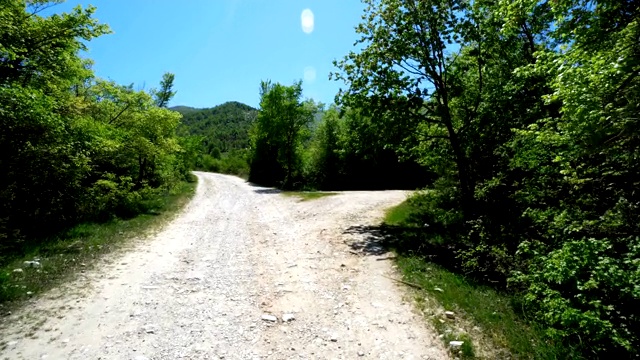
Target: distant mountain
(183, 109)
(225, 127)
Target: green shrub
(233, 163)
(587, 291)
(120, 197)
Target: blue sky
(221, 49)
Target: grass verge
(308, 195)
(56, 259)
(484, 318)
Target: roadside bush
(233, 163)
(74, 147)
(121, 197)
(587, 289)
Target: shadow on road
(267, 191)
(373, 239)
(261, 189)
(381, 239)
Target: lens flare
(309, 74)
(307, 20)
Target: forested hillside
(221, 134)
(183, 109)
(224, 127)
(225, 133)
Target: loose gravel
(242, 273)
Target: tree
(325, 157)
(407, 70)
(72, 147)
(357, 151)
(441, 72)
(40, 145)
(579, 178)
(35, 51)
(533, 122)
(278, 133)
(166, 93)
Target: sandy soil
(199, 287)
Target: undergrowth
(50, 261)
(486, 319)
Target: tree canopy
(74, 147)
(278, 134)
(527, 113)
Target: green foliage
(224, 127)
(453, 110)
(325, 159)
(350, 150)
(586, 284)
(278, 134)
(579, 196)
(166, 92)
(234, 163)
(493, 312)
(73, 147)
(40, 52)
(189, 156)
(527, 113)
(77, 248)
(482, 312)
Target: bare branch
(411, 70)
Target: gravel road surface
(209, 284)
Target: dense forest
(74, 147)
(298, 144)
(525, 116)
(228, 135)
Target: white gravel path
(198, 288)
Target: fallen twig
(405, 282)
(387, 258)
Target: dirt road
(199, 288)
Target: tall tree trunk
(142, 164)
(466, 183)
(289, 149)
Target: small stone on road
(450, 314)
(269, 318)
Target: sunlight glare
(307, 21)
(309, 74)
